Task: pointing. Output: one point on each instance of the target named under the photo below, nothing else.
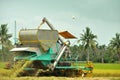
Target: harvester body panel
(38, 37)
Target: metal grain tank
(38, 37)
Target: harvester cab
(41, 51)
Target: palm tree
(87, 39)
(6, 43)
(115, 44)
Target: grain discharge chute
(43, 52)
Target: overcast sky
(102, 16)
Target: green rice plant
(106, 70)
(109, 66)
(106, 73)
(4, 72)
(3, 64)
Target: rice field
(100, 72)
(107, 66)
(106, 70)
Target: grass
(2, 65)
(3, 72)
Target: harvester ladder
(60, 53)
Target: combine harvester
(42, 52)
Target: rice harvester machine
(44, 52)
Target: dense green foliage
(88, 41)
(115, 44)
(97, 53)
(5, 42)
(102, 55)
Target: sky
(102, 16)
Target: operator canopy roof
(67, 35)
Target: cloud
(107, 10)
(102, 16)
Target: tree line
(88, 49)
